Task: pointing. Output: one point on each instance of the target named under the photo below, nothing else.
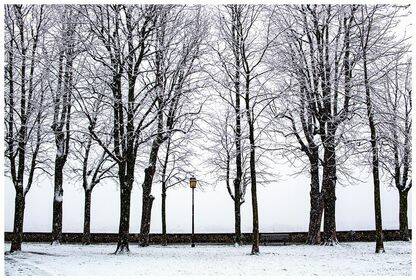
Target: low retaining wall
(219, 238)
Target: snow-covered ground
(344, 259)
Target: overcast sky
(284, 206)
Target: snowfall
(356, 258)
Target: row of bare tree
(325, 86)
(110, 88)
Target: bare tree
(62, 103)
(178, 35)
(24, 103)
(292, 112)
(228, 51)
(175, 168)
(395, 109)
(379, 48)
(321, 42)
(90, 163)
(293, 118)
(244, 37)
(365, 32)
(120, 44)
(220, 131)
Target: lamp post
(192, 184)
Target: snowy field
(344, 259)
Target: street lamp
(192, 184)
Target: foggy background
(283, 206)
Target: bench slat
(274, 237)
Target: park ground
(353, 258)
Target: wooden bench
(273, 238)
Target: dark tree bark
(19, 210)
(147, 202)
(238, 161)
(57, 201)
(86, 238)
(375, 163)
(164, 189)
(124, 225)
(403, 222)
(146, 218)
(316, 200)
(164, 237)
(373, 140)
(149, 172)
(316, 195)
(329, 196)
(62, 145)
(237, 217)
(255, 236)
(147, 198)
(328, 128)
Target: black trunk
(375, 160)
(124, 225)
(238, 149)
(145, 222)
(19, 210)
(87, 218)
(377, 202)
(255, 237)
(329, 196)
(316, 201)
(164, 237)
(404, 228)
(57, 201)
(147, 198)
(237, 214)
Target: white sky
(283, 206)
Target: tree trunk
(149, 172)
(19, 210)
(238, 149)
(147, 198)
(329, 196)
(124, 225)
(404, 228)
(255, 237)
(164, 189)
(237, 217)
(164, 237)
(375, 160)
(146, 217)
(316, 201)
(87, 218)
(57, 201)
(377, 203)
(255, 247)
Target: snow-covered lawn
(344, 259)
